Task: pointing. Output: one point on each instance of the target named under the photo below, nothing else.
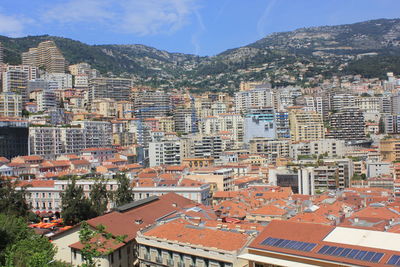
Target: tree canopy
(76, 207)
(123, 194)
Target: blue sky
(203, 27)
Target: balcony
(146, 256)
(159, 259)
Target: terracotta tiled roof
(180, 231)
(36, 183)
(123, 223)
(269, 210)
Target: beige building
(47, 55)
(183, 243)
(305, 125)
(104, 106)
(272, 149)
(390, 149)
(10, 104)
(166, 124)
(125, 220)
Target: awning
(270, 260)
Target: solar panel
(361, 254)
(352, 253)
(394, 260)
(369, 256)
(345, 252)
(330, 250)
(289, 244)
(337, 251)
(323, 249)
(377, 257)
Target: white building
(166, 152)
(45, 195)
(254, 98)
(223, 122)
(193, 190)
(63, 80)
(325, 147)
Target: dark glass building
(13, 138)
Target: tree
(94, 243)
(12, 230)
(99, 197)
(36, 251)
(12, 201)
(75, 206)
(123, 194)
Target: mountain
(302, 56)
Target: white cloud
(11, 25)
(142, 17)
(80, 11)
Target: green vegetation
(280, 58)
(76, 207)
(19, 245)
(92, 249)
(123, 194)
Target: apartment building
(327, 147)
(347, 124)
(305, 125)
(46, 55)
(259, 123)
(272, 149)
(115, 88)
(282, 125)
(33, 72)
(340, 101)
(391, 123)
(151, 104)
(106, 107)
(194, 190)
(368, 104)
(261, 97)
(81, 81)
(14, 135)
(167, 151)
(58, 81)
(46, 195)
(390, 149)
(185, 243)
(97, 133)
(45, 99)
(185, 120)
(51, 141)
(10, 104)
(16, 81)
(207, 146)
(221, 179)
(223, 122)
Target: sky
(202, 27)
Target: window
(119, 254)
(112, 258)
